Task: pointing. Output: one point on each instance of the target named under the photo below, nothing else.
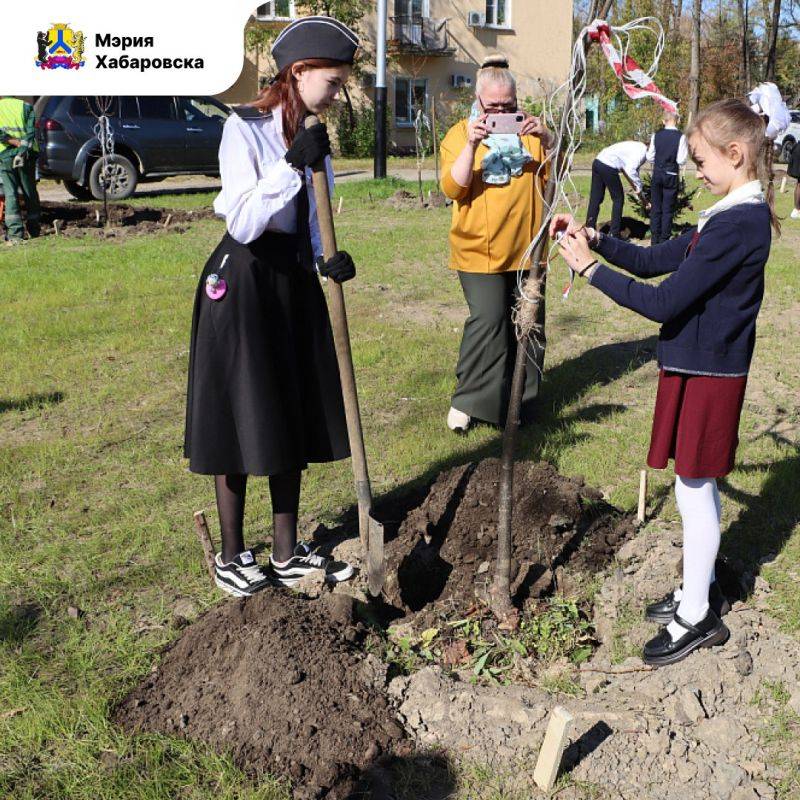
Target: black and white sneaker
(307, 561)
(242, 576)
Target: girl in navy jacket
(707, 308)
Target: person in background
(625, 157)
(497, 184)
(667, 152)
(793, 171)
(18, 154)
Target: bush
(356, 140)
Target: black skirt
(793, 167)
(264, 394)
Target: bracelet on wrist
(588, 267)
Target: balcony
(419, 35)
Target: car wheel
(78, 191)
(118, 175)
(786, 150)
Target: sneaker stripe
(231, 577)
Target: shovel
(370, 531)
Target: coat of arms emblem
(60, 48)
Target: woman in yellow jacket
(497, 186)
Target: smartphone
(505, 123)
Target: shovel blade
(376, 563)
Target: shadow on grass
(213, 185)
(19, 621)
(562, 386)
(768, 518)
(31, 401)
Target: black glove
(341, 267)
(309, 146)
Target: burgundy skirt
(696, 423)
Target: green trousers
(489, 348)
(15, 182)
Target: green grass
(97, 500)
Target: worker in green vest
(18, 152)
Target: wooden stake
(339, 209)
(640, 513)
(783, 184)
(168, 220)
(204, 535)
(555, 740)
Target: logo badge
(60, 48)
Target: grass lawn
(97, 500)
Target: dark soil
(279, 681)
(81, 219)
(443, 556)
(282, 682)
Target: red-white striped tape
(627, 70)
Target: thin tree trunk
(773, 41)
(744, 27)
(500, 592)
(694, 69)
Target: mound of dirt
(280, 682)
(443, 556)
(80, 219)
(403, 199)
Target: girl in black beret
(264, 396)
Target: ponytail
(767, 178)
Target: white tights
(699, 505)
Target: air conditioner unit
(476, 19)
(460, 81)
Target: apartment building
(435, 48)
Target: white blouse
(259, 188)
(626, 156)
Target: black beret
(315, 37)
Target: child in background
(707, 308)
(793, 170)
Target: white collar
(747, 193)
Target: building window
(276, 9)
(498, 13)
(410, 94)
(411, 8)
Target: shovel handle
(344, 355)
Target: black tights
(285, 493)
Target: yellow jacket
(492, 226)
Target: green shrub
(356, 136)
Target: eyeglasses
(497, 108)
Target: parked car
(153, 138)
(790, 137)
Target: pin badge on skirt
(216, 285)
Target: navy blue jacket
(709, 304)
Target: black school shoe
(664, 610)
(242, 576)
(661, 650)
(307, 561)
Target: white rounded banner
(157, 47)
